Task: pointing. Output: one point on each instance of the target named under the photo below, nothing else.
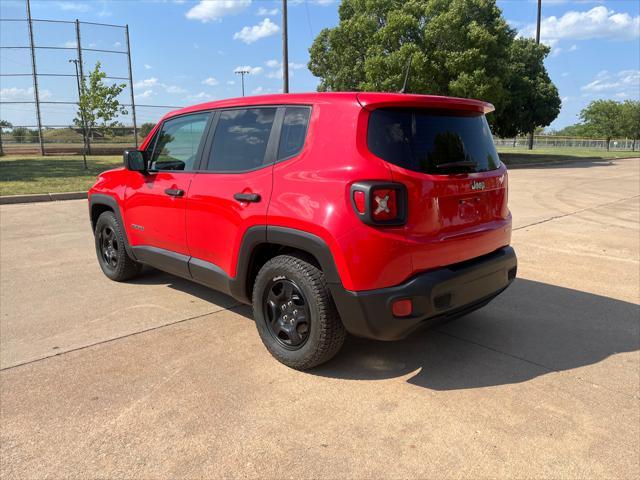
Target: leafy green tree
(457, 47)
(98, 106)
(145, 129)
(21, 134)
(533, 99)
(577, 130)
(630, 120)
(603, 118)
(3, 124)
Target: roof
(366, 100)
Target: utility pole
(133, 103)
(80, 70)
(285, 50)
(242, 72)
(537, 42)
(35, 78)
(84, 127)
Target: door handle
(247, 197)
(174, 192)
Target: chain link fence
(552, 141)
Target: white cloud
(272, 63)
(147, 66)
(174, 89)
(257, 91)
(150, 84)
(146, 94)
(200, 96)
(212, 82)
(265, 12)
(264, 29)
(146, 83)
(625, 83)
(251, 70)
(72, 6)
(213, 10)
(117, 44)
(599, 22)
(565, 74)
(17, 94)
(231, 82)
(70, 44)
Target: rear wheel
(295, 314)
(110, 248)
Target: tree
(630, 121)
(533, 100)
(145, 129)
(577, 130)
(457, 47)
(3, 124)
(98, 106)
(21, 134)
(603, 118)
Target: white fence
(550, 141)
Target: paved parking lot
(164, 378)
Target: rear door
(155, 206)
(232, 194)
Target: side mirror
(134, 160)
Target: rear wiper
(459, 163)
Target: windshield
(432, 142)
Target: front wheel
(110, 248)
(295, 314)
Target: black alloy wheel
(109, 247)
(287, 313)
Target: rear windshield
(432, 142)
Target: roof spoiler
(373, 100)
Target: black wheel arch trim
(284, 236)
(112, 203)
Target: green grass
(520, 156)
(23, 174)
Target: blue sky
(186, 52)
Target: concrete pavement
(164, 378)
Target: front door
(155, 207)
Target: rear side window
(240, 140)
(178, 142)
(431, 141)
(294, 131)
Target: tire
(110, 249)
(303, 328)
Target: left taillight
(380, 203)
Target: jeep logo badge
(477, 185)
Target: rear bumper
(436, 295)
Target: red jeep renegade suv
(368, 213)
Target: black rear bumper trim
(437, 295)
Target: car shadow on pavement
(541, 161)
(530, 330)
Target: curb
(42, 197)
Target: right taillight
(380, 203)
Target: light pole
(242, 72)
(537, 42)
(84, 127)
(285, 50)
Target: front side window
(431, 141)
(294, 131)
(240, 140)
(178, 142)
